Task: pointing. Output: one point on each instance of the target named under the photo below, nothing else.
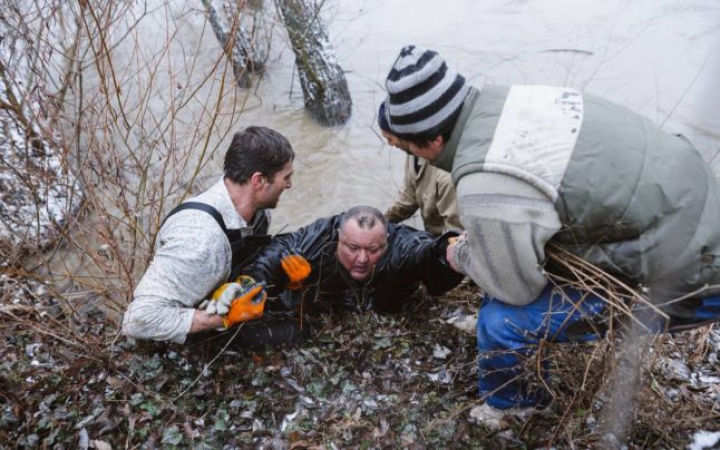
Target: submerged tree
(238, 27)
(323, 82)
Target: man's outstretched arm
(508, 223)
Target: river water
(658, 57)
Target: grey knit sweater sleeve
(192, 257)
(508, 223)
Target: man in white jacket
(207, 239)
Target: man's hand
(238, 302)
(453, 242)
(297, 269)
(222, 298)
(248, 306)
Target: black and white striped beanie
(424, 95)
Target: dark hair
(424, 141)
(382, 118)
(256, 149)
(365, 216)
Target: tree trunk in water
(246, 53)
(323, 82)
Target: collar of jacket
(420, 168)
(445, 160)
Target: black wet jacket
(413, 257)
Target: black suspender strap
(244, 243)
(201, 207)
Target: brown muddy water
(658, 57)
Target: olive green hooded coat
(632, 199)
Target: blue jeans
(508, 335)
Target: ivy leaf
(172, 435)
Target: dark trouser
(253, 334)
(508, 335)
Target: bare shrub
(130, 113)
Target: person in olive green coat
(539, 165)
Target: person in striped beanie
(426, 188)
(543, 166)
(424, 95)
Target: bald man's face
(359, 249)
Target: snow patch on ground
(705, 440)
